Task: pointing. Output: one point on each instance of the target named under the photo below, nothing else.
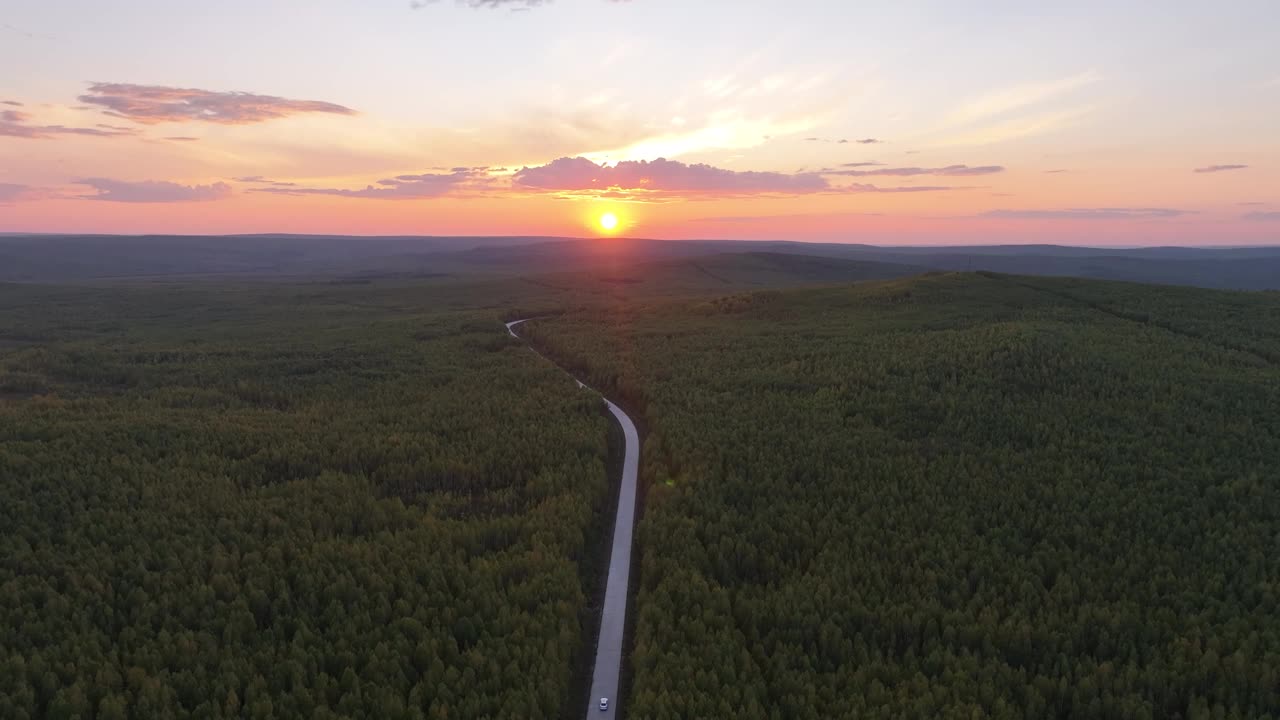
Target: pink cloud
(664, 176)
(628, 180)
(401, 187)
(10, 192)
(1219, 168)
(152, 191)
(260, 180)
(860, 188)
(15, 123)
(948, 171)
(152, 104)
(1109, 213)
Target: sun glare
(608, 222)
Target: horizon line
(585, 238)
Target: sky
(911, 122)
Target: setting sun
(608, 221)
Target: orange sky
(1088, 124)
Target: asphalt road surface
(613, 617)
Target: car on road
(604, 704)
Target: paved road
(613, 618)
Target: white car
(604, 704)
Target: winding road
(613, 616)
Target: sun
(608, 222)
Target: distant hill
(723, 272)
(1222, 268)
(69, 258)
(73, 258)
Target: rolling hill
(54, 259)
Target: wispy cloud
(513, 5)
(730, 129)
(11, 191)
(1010, 99)
(777, 218)
(152, 191)
(401, 187)
(860, 188)
(1263, 216)
(1012, 112)
(1017, 127)
(948, 171)
(260, 180)
(152, 104)
(663, 176)
(569, 177)
(12, 103)
(1219, 168)
(843, 141)
(491, 4)
(860, 164)
(1110, 213)
(15, 123)
(14, 192)
(1055, 172)
(24, 33)
(182, 138)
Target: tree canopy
(288, 501)
(952, 496)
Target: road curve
(613, 616)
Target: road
(613, 616)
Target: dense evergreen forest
(953, 496)
(313, 500)
(947, 496)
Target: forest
(316, 500)
(951, 496)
